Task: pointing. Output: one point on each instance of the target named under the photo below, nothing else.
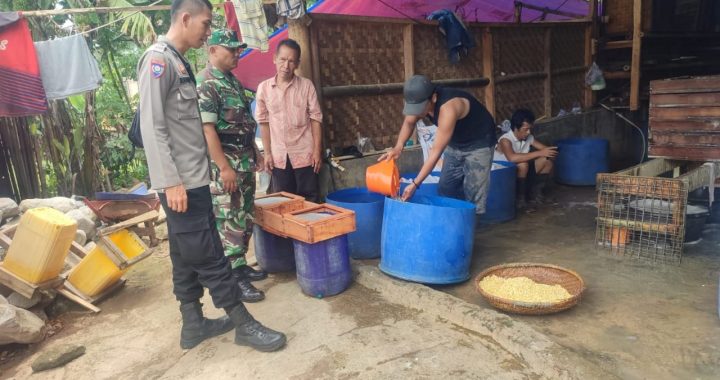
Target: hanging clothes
(231, 18)
(457, 37)
(67, 67)
(293, 9)
(21, 92)
(253, 26)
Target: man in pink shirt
(290, 120)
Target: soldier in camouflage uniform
(230, 133)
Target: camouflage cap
(225, 37)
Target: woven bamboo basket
(540, 273)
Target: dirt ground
(638, 321)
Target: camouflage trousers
(234, 214)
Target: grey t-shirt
(170, 123)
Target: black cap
(417, 92)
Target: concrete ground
(380, 328)
(637, 321)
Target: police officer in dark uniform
(177, 159)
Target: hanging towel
(21, 88)
(293, 9)
(231, 18)
(253, 27)
(457, 37)
(67, 67)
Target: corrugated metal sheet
(685, 118)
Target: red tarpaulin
(254, 66)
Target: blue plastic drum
(323, 268)
(428, 239)
(425, 188)
(273, 253)
(579, 160)
(364, 243)
(501, 195)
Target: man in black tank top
(466, 133)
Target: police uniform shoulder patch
(157, 68)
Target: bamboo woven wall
(364, 51)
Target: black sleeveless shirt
(476, 130)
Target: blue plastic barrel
(428, 239)
(364, 243)
(273, 253)
(579, 160)
(501, 195)
(323, 268)
(425, 188)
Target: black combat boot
(249, 332)
(196, 328)
(249, 292)
(252, 274)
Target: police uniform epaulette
(159, 47)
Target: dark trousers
(196, 252)
(302, 181)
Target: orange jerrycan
(383, 178)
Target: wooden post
(635, 63)
(408, 51)
(548, 72)
(589, 94)
(488, 70)
(299, 31)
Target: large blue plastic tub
(425, 188)
(273, 253)
(428, 239)
(323, 268)
(579, 160)
(364, 243)
(501, 195)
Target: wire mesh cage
(641, 217)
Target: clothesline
(143, 8)
(116, 20)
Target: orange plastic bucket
(383, 178)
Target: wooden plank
(570, 70)
(488, 69)
(635, 62)
(684, 113)
(686, 99)
(650, 168)
(98, 298)
(685, 85)
(78, 300)
(682, 139)
(340, 222)
(639, 225)
(395, 88)
(150, 215)
(698, 125)
(408, 51)
(78, 250)
(16, 283)
(694, 153)
(625, 44)
(548, 73)
(5, 241)
(701, 176)
(551, 10)
(616, 74)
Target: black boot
(196, 328)
(249, 292)
(252, 274)
(520, 193)
(249, 332)
(536, 193)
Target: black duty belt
(235, 139)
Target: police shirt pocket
(187, 102)
(196, 240)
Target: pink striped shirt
(288, 110)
